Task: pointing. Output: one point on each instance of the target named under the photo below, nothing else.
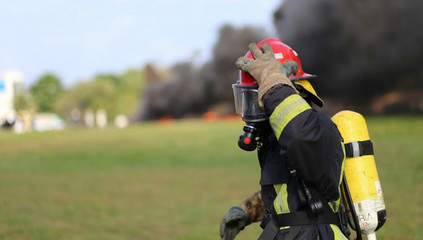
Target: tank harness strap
(303, 218)
(298, 219)
(360, 148)
(271, 229)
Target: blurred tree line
(116, 94)
(41, 96)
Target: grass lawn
(169, 181)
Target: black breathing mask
(246, 104)
(255, 135)
(248, 141)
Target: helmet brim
(305, 86)
(305, 76)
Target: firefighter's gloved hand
(234, 221)
(267, 71)
(289, 67)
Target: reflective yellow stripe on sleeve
(286, 111)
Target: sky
(79, 39)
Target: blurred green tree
(92, 95)
(45, 92)
(23, 101)
(116, 94)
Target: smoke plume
(360, 49)
(193, 90)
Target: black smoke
(360, 49)
(232, 44)
(192, 90)
(181, 95)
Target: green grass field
(169, 181)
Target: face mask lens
(251, 111)
(237, 97)
(246, 104)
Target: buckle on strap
(343, 219)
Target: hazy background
(137, 57)
(139, 96)
(78, 39)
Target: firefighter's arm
(250, 210)
(309, 139)
(254, 207)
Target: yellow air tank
(361, 173)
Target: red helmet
(283, 53)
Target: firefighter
(300, 150)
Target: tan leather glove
(267, 71)
(238, 217)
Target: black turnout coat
(299, 138)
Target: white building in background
(89, 119)
(121, 121)
(11, 81)
(47, 122)
(101, 118)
